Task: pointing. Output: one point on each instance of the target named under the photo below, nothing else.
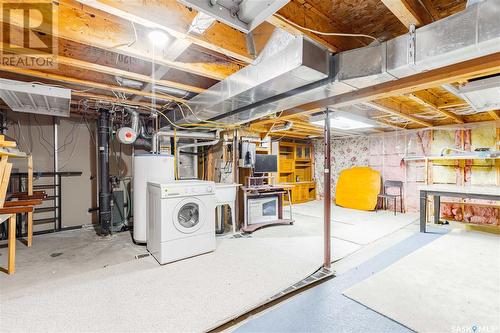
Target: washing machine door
(189, 215)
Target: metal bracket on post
(412, 46)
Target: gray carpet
(450, 285)
(325, 309)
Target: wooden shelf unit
(295, 167)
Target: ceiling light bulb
(158, 37)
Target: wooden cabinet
(295, 168)
(302, 152)
(285, 165)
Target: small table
(262, 191)
(438, 190)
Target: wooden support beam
(61, 60)
(152, 14)
(494, 115)
(423, 98)
(409, 12)
(477, 67)
(396, 109)
(115, 35)
(85, 83)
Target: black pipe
(104, 185)
(3, 126)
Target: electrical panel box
(247, 154)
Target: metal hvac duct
(297, 74)
(288, 62)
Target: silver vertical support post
(57, 222)
(327, 194)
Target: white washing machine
(181, 219)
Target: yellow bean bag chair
(358, 188)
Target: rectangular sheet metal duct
(483, 95)
(35, 98)
(299, 63)
(271, 85)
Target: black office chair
(384, 195)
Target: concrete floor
(82, 273)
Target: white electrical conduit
(326, 33)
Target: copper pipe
(327, 193)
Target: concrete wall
(77, 152)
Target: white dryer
(181, 219)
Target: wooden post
(327, 194)
(30, 175)
(30, 193)
(12, 245)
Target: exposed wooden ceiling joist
(390, 124)
(176, 19)
(125, 74)
(305, 14)
(114, 35)
(426, 99)
(85, 83)
(396, 109)
(409, 12)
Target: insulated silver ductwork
(296, 74)
(286, 63)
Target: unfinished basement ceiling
(210, 57)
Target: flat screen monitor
(266, 163)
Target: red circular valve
(128, 135)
